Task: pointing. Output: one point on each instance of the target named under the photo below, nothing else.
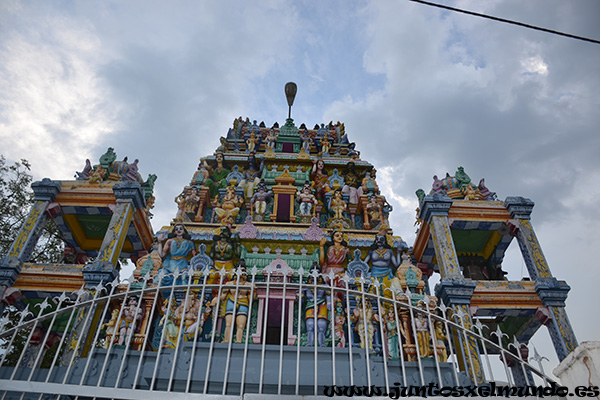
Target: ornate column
(45, 192)
(552, 292)
(129, 197)
(454, 290)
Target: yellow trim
(491, 244)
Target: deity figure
(201, 175)
(307, 200)
(260, 198)
(191, 202)
(176, 251)
(251, 176)
(374, 210)
(306, 139)
(110, 326)
(224, 249)
(363, 318)
(422, 328)
(229, 208)
(318, 301)
(131, 320)
(391, 327)
(382, 259)
(218, 175)
(470, 192)
(339, 318)
(271, 139)
(336, 256)
(440, 341)
(462, 178)
(338, 205)
(170, 327)
(236, 308)
(351, 183)
(251, 143)
(98, 175)
(325, 144)
(319, 178)
(187, 312)
(369, 185)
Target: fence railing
(234, 333)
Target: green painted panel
(470, 241)
(94, 226)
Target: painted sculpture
(316, 302)
(382, 259)
(236, 302)
(176, 251)
(307, 201)
(218, 175)
(351, 183)
(319, 179)
(259, 201)
(251, 175)
(229, 207)
(334, 259)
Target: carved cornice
(435, 204)
(519, 207)
(46, 189)
(552, 292)
(455, 291)
(130, 191)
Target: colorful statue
(363, 318)
(176, 251)
(168, 324)
(229, 208)
(218, 175)
(318, 301)
(271, 139)
(338, 205)
(191, 203)
(337, 254)
(382, 259)
(391, 328)
(110, 326)
(351, 183)
(201, 175)
(307, 200)
(251, 143)
(306, 139)
(236, 308)
(188, 312)
(260, 198)
(440, 341)
(462, 178)
(224, 249)
(339, 318)
(131, 320)
(319, 178)
(98, 175)
(251, 176)
(374, 210)
(325, 144)
(422, 328)
(369, 185)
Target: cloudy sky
(420, 90)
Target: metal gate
(235, 334)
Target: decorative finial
(290, 94)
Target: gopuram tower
(279, 274)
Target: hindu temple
(279, 274)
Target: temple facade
(279, 274)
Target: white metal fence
(141, 340)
